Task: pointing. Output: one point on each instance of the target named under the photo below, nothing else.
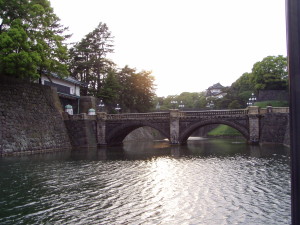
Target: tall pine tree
(88, 58)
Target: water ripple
(192, 189)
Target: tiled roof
(216, 86)
(69, 79)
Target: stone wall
(30, 119)
(267, 95)
(274, 128)
(287, 136)
(82, 132)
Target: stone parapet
(271, 109)
(253, 110)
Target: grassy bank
(223, 130)
(272, 103)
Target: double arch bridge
(177, 126)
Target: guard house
(68, 89)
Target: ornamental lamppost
(118, 108)
(251, 100)
(101, 105)
(181, 105)
(157, 106)
(174, 103)
(210, 105)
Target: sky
(188, 45)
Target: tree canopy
(137, 89)
(132, 90)
(88, 58)
(31, 39)
(184, 101)
(270, 73)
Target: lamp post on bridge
(118, 108)
(210, 105)
(181, 105)
(174, 103)
(252, 100)
(101, 105)
(157, 106)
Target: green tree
(190, 100)
(271, 73)
(234, 105)
(109, 92)
(239, 92)
(137, 91)
(88, 58)
(31, 39)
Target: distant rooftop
(216, 86)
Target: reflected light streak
(164, 175)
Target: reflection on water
(204, 182)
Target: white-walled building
(68, 89)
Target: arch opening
(144, 133)
(214, 124)
(132, 131)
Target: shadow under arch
(118, 134)
(187, 133)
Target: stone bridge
(253, 123)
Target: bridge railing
(215, 113)
(180, 114)
(136, 116)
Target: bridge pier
(101, 128)
(253, 115)
(174, 126)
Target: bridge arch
(118, 134)
(188, 131)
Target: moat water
(204, 182)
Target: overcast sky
(188, 45)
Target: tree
(190, 100)
(31, 39)
(234, 105)
(109, 92)
(88, 58)
(268, 74)
(238, 92)
(144, 91)
(271, 73)
(137, 91)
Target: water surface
(205, 182)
